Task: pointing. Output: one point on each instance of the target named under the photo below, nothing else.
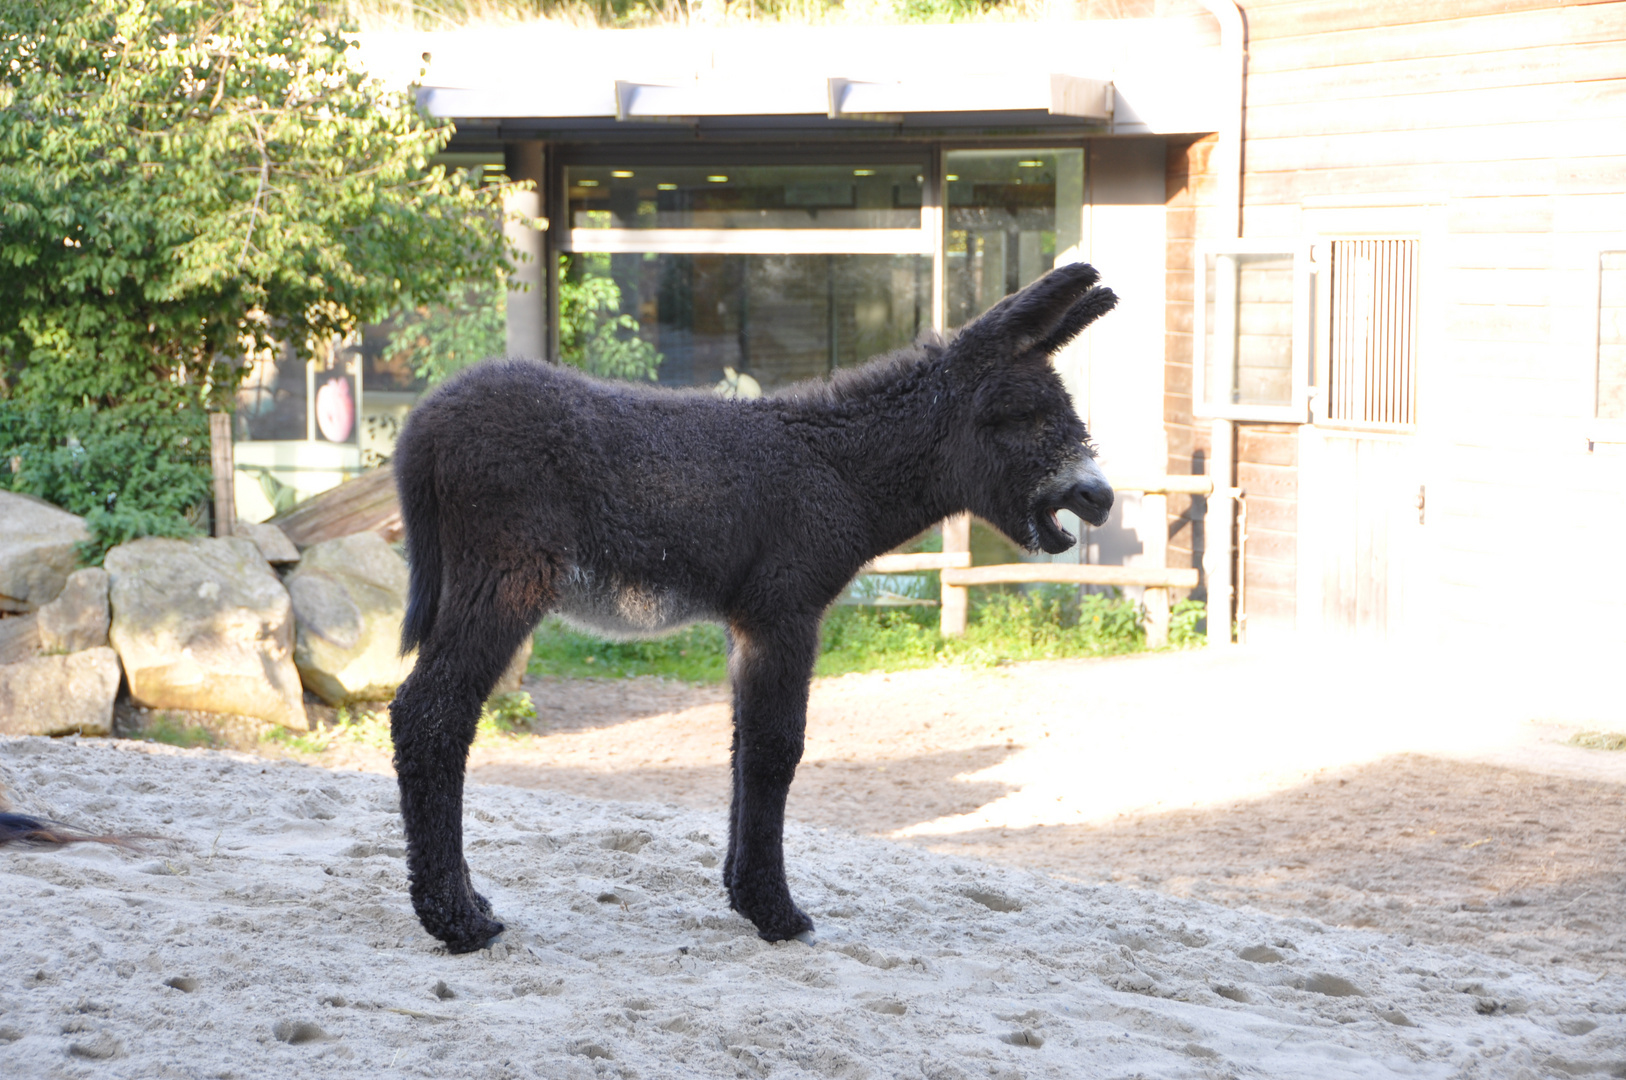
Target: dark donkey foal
(528, 488)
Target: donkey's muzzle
(1086, 493)
(1090, 498)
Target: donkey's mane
(846, 386)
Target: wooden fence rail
(1157, 578)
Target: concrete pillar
(1125, 232)
(528, 307)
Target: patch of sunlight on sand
(1244, 724)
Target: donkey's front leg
(433, 720)
(770, 669)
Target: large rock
(78, 618)
(37, 543)
(60, 695)
(349, 599)
(205, 624)
(272, 542)
(19, 638)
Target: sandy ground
(1258, 864)
(1443, 804)
(267, 935)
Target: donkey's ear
(1042, 317)
(1090, 307)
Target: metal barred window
(1372, 359)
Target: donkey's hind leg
(432, 721)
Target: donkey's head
(1024, 453)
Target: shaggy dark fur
(527, 488)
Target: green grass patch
(360, 726)
(1599, 740)
(1043, 623)
(369, 726)
(694, 654)
(173, 731)
(507, 714)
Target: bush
(129, 471)
(185, 184)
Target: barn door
(1368, 519)
(1366, 502)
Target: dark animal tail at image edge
(22, 829)
(420, 517)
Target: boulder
(206, 625)
(37, 543)
(349, 599)
(272, 542)
(60, 695)
(78, 618)
(19, 638)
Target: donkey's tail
(420, 517)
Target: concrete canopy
(1135, 76)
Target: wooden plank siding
(1267, 472)
(1502, 124)
(1190, 197)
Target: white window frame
(1600, 429)
(753, 241)
(1298, 410)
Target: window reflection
(774, 318)
(745, 197)
(1011, 215)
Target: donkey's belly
(625, 610)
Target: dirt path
(1439, 802)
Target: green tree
(186, 183)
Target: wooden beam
(1071, 574)
(915, 563)
(1155, 512)
(225, 474)
(1166, 485)
(956, 601)
(364, 504)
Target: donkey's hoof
(479, 934)
(785, 926)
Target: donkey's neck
(884, 434)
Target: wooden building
(1370, 254)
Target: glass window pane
(774, 318)
(271, 400)
(1012, 214)
(1248, 330)
(282, 399)
(745, 196)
